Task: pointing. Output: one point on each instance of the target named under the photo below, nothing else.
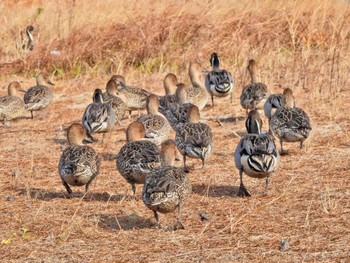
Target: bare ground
(307, 204)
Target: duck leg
(87, 186)
(203, 163)
(133, 187)
(69, 191)
(185, 168)
(32, 115)
(242, 191)
(283, 152)
(267, 185)
(212, 100)
(301, 145)
(179, 224)
(157, 219)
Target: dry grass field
(304, 45)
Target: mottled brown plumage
(255, 93)
(289, 123)
(156, 125)
(79, 164)
(166, 188)
(137, 157)
(11, 106)
(194, 139)
(40, 96)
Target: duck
(256, 154)
(218, 82)
(115, 79)
(166, 188)
(156, 125)
(289, 123)
(274, 102)
(194, 139)
(79, 164)
(169, 99)
(197, 93)
(98, 117)
(255, 93)
(111, 98)
(177, 115)
(134, 97)
(11, 106)
(137, 157)
(29, 46)
(40, 96)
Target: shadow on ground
(125, 222)
(215, 190)
(42, 194)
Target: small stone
(10, 198)
(15, 173)
(204, 217)
(284, 245)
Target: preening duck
(40, 96)
(289, 123)
(156, 125)
(135, 98)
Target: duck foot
(178, 226)
(283, 152)
(242, 191)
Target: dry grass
(300, 45)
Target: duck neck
(253, 126)
(111, 88)
(253, 77)
(196, 80)
(40, 80)
(215, 63)
(97, 97)
(30, 43)
(13, 89)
